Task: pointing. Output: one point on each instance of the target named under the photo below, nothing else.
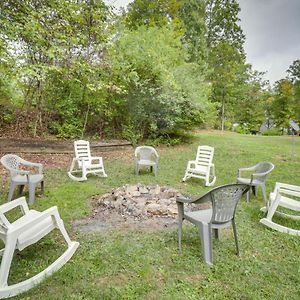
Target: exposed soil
(58, 154)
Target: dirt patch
(134, 207)
(111, 220)
(58, 154)
(146, 208)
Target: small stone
(143, 190)
(135, 193)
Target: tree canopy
(74, 68)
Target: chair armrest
(196, 200)
(240, 170)
(16, 230)
(248, 169)
(32, 164)
(191, 162)
(184, 200)
(15, 203)
(22, 172)
(96, 158)
(11, 205)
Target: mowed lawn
(140, 265)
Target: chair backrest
(11, 162)
(265, 168)
(224, 201)
(205, 155)
(146, 152)
(82, 150)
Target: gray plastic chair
(224, 200)
(146, 156)
(258, 176)
(19, 177)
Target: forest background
(155, 71)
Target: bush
(242, 129)
(272, 131)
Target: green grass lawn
(139, 265)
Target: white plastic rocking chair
(84, 163)
(23, 232)
(287, 196)
(202, 167)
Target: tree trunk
(223, 111)
(87, 112)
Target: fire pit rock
(139, 201)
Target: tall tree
(294, 75)
(283, 103)
(226, 58)
(56, 42)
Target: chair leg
(21, 188)
(31, 188)
(180, 221)
(61, 227)
(186, 176)
(248, 196)
(10, 246)
(206, 242)
(42, 186)
(180, 236)
(155, 170)
(254, 190)
(235, 238)
(137, 169)
(216, 233)
(263, 187)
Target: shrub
(272, 131)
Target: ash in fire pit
(147, 208)
(140, 201)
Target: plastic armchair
(257, 178)
(85, 163)
(25, 231)
(146, 156)
(19, 177)
(224, 200)
(285, 196)
(202, 167)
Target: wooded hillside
(74, 68)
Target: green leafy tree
(159, 91)
(222, 23)
(226, 58)
(294, 75)
(56, 43)
(283, 103)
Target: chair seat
(248, 180)
(23, 232)
(286, 202)
(34, 231)
(22, 179)
(146, 162)
(203, 215)
(93, 166)
(199, 169)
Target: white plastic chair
(23, 232)
(224, 200)
(84, 163)
(202, 167)
(288, 197)
(258, 176)
(19, 177)
(146, 156)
